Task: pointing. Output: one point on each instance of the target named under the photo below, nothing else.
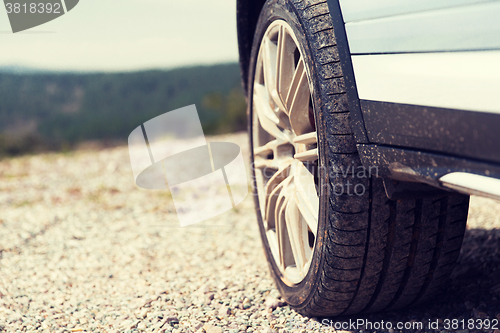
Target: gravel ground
(83, 249)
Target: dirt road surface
(84, 249)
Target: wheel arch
(248, 12)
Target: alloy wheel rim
(285, 152)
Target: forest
(57, 111)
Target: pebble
(495, 290)
(272, 303)
(209, 328)
(224, 311)
(268, 330)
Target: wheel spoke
(307, 197)
(269, 59)
(298, 101)
(270, 205)
(268, 119)
(307, 156)
(270, 147)
(306, 139)
(266, 149)
(286, 65)
(297, 234)
(311, 152)
(272, 239)
(277, 181)
(284, 241)
(272, 190)
(262, 163)
(274, 164)
(259, 180)
(295, 83)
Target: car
(370, 123)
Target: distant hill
(14, 69)
(53, 110)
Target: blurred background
(92, 75)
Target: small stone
(270, 317)
(272, 303)
(144, 312)
(172, 321)
(468, 305)
(479, 314)
(209, 328)
(127, 324)
(224, 311)
(268, 330)
(495, 290)
(196, 325)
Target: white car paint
(456, 80)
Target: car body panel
(449, 131)
(359, 10)
(455, 80)
(474, 27)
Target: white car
(371, 123)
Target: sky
(126, 35)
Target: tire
(369, 253)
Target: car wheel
(334, 242)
